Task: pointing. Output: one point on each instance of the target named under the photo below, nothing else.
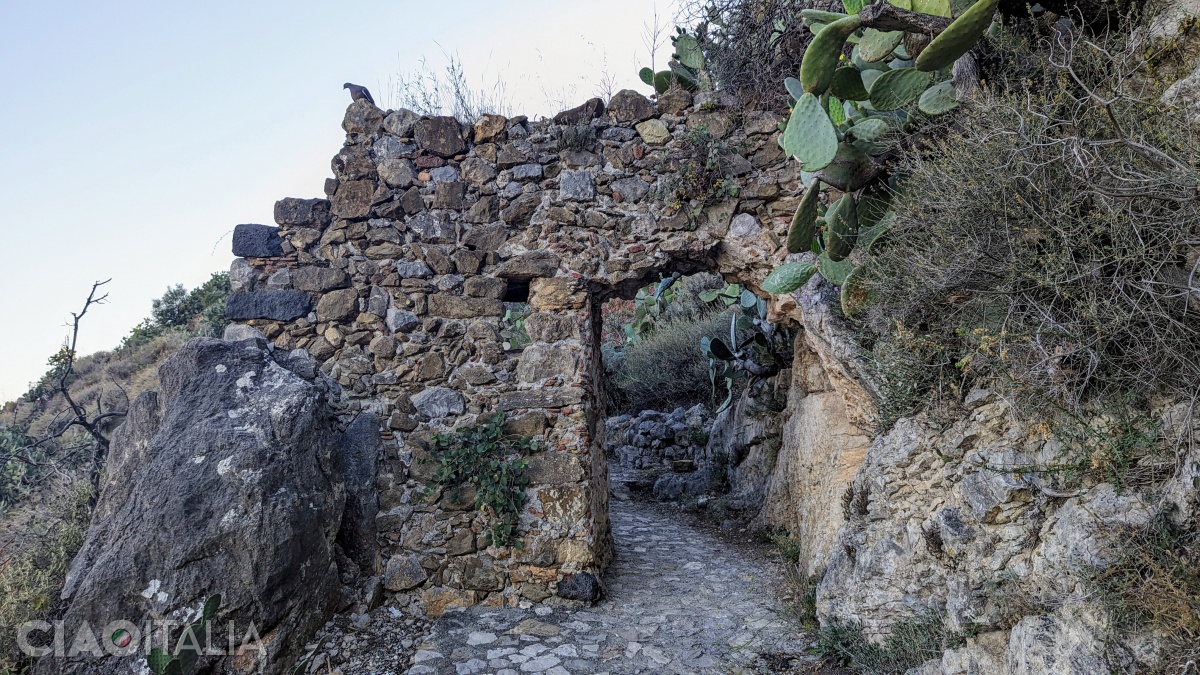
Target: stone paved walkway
(679, 599)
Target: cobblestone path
(679, 599)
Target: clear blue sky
(135, 135)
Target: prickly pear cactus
(804, 224)
(846, 112)
(958, 39)
(823, 53)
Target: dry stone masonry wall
(397, 282)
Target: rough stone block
(404, 572)
(556, 293)
(653, 132)
(529, 265)
(319, 279)
(540, 398)
(539, 362)
(490, 128)
(302, 212)
(581, 114)
(550, 327)
(485, 287)
(459, 307)
(580, 586)
(273, 305)
(578, 185)
(401, 320)
(554, 468)
(257, 241)
(628, 105)
(338, 305)
(353, 199)
(438, 402)
(439, 135)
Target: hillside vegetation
(45, 493)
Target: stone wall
(396, 283)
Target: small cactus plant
(686, 67)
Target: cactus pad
(843, 228)
(688, 51)
(810, 136)
(959, 37)
(835, 272)
(804, 223)
(848, 85)
(934, 7)
(821, 16)
(897, 88)
(794, 88)
(850, 170)
(647, 76)
(787, 278)
(663, 80)
(821, 58)
(876, 45)
(938, 99)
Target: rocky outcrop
(232, 480)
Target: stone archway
(397, 284)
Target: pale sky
(134, 135)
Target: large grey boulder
(231, 480)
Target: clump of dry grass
(1155, 583)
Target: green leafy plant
(189, 647)
(704, 175)
(844, 110)
(494, 464)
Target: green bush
(665, 370)
(200, 311)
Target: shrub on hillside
(34, 564)
(200, 311)
(665, 369)
(1047, 239)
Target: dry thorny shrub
(750, 46)
(1049, 237)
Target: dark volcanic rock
(274, 305)
(580, 586)
(229, 481)
(257, 241)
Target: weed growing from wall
(492, 463)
